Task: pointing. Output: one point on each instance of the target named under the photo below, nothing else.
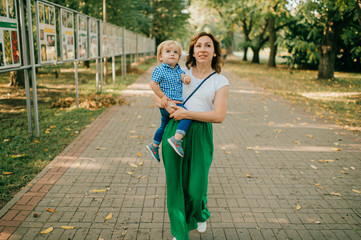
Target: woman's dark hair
(217, 61)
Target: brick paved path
(266, 181)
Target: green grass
(22, 156)
(342, 110)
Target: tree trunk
(86, 64)
(255, 58)
(105, 70)
(17, 78)
(230, 44)
(326, 67)
(245, 50)
(272, 42)
(328, 50)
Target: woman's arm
(215, 116)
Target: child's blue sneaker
(176, 145)
(154, 151)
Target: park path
(278, 173)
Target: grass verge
(22, 157)
(336, 100)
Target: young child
(167, 82)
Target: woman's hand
(178, 114)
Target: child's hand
(164, 101)
(186, 79)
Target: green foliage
(313, 19)
(160, 19)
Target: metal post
(32, 62)
(76, 83)
(97, 74)
(25, 62)
(113, 69)
(101, 58)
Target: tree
(328, 20)
(169, 21)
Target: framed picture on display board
(93, 38)
(46, 33)
(82, 36)
(9, 35)
(67, 35)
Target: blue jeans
(182, 127)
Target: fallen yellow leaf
(326, 161)
(130, 173)
(36, 141)
(7, 173)
(140, 177)
(336, 194)
(356, 191)
(68, 129)
(139, 154)
(317, 184)
(50, 210)
(67, 227)
(133, 165)
(309, 135)
(298, 207)
(110, 215)
(140, 164)
(53, 126)
(46, 131)
(99, 190)
(124, 232)
(249, 176)
(17, 156)
(48, 230)
(336, 149)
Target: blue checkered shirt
(169, 80)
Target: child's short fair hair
(166, 44)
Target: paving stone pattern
(266, 181)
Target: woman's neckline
(201, 79)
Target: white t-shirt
(202, 99)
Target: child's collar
(166, 65)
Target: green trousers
(187, 178)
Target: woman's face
(204, 50)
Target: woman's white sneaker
(174, 238)
(202, 227)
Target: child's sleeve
(157, 75)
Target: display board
(82, 36)
(67, 35)
(93, 37)
(9, 35)
(47, 32)
(119, 41)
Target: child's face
(170, 55)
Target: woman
(187, 177)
